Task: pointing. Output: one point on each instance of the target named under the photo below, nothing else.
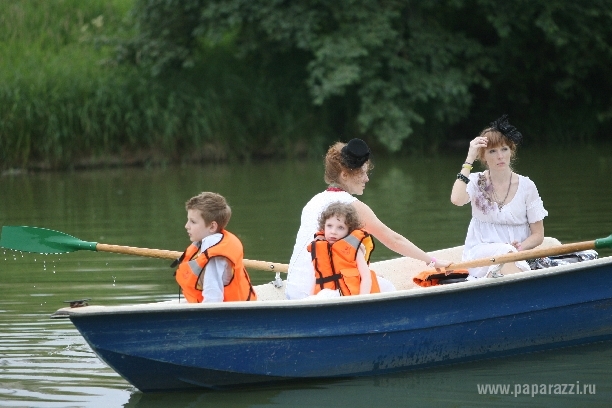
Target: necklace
(501, 204)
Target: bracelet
(463, 178)
(468, 163)
(432, 263)
(468, 166)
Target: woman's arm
(533, 240)
(392, 239)
(364, 271)
(459, 195)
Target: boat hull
(227, 345)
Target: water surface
(46, 363)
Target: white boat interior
(400, 271)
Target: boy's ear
(213, 227)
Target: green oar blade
(41, 240)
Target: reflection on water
(46, 363)
(448, 386)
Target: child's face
(197, 228)
(335, 228)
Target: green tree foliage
(408, 64)
(65, 103)
(247, 78)
(395, 57)
(552, 67)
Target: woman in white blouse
(507, 211)
(346, 173)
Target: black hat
(507, 129)
(355, 153)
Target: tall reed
(62, 104)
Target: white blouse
(492, 230)
(301, 278)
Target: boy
(340, 253)
(211, 269)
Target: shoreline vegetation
(95, 84)
(66, 103)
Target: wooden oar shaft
(266, 266)
(524, 255)
(165, 254)
(127, 250)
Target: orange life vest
(335, 264)
(434, 278)
(191, 265)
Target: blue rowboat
(172, 346)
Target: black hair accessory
(507, 129)
(355, 153)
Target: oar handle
(524, 255)
(165, 254)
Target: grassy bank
(65, 104)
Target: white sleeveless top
(301, 279)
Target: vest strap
(333, 278)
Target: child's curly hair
(351, 218)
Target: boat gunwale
(171, 307)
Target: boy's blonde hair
(212, 206)
(351, 218)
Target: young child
(211, 269)
(341, 253)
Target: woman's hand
(476, 144)
(533, 240)
(441, 263)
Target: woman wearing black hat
(507, 211)
(346, 173)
